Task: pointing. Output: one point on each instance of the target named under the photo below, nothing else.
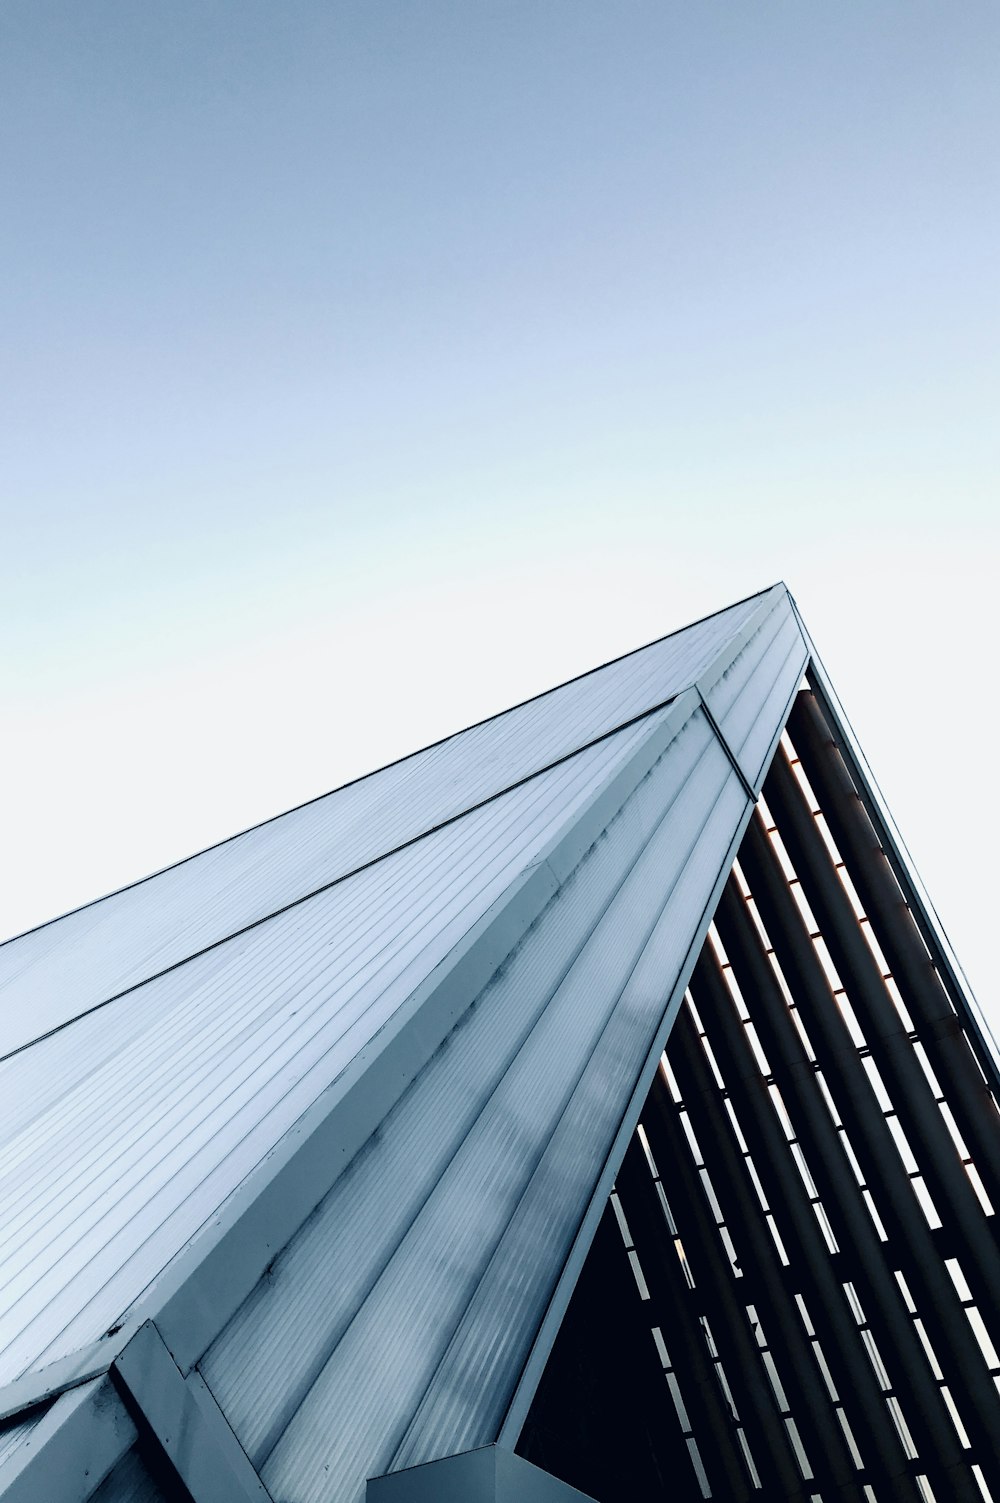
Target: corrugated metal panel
(124, 1133)
(407, 1305)
(58, 971)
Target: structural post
(914, 1249)
(862, 1255)
(811, 1269)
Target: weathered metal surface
(71, 1449)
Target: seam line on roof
(396, 762)
(41, 1385)
(748, 787)
(354, 872)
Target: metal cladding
(304, 1141)
(56, 972)
(807, 1207)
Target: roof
(329, 1102)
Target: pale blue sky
(369, 366)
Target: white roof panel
(58, 971)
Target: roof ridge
(362, 777)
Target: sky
(368, 367)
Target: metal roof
(123, 1133)
(331, 1103)
(57, 971)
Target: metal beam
(912, 1098)
(713, 1298)
(42, 1384)
(841, 1197)
(72, 1448)
(810, 1406)
(186, 1423)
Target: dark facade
(794, 1290)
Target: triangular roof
(334, 1099)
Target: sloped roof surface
(163, 1042)
(59, 970)
(124, 1132)
(403, 1307)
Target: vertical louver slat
(825, 1446)
(916, 1115)
(619, 1441)
(716, 1296)
(872, 1141)
(811, 1266)
(807, 1203)
(800, 1096)
(711, 1422)
(949, 1047)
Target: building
(343, 1160)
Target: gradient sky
(369, 366)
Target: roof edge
(395, 762)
